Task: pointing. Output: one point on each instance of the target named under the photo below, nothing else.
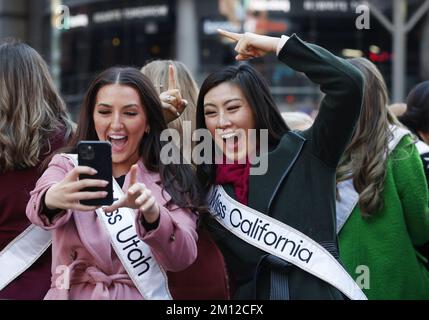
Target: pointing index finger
(230, 35)
(171, 79)
(133, 175)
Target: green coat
(385, 243)
(299, 187)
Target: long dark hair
(257, 94)
(416, 118)
(177, 179)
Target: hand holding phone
(67, 193)
(96, 155)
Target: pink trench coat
(80, 242)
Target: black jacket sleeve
(343, 86)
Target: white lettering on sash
(281, 240)
(135, 255)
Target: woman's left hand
(251, 45)
(137, 197)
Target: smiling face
(119, 118)
(228, 117)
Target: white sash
(281, 240)
(348, 195)
(22, 252)
(422, 147)
(135, 255)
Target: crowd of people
(340, 211)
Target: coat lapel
(263, 188)
(91, 231)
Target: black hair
(259, 98)
(416, 118)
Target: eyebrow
(226, 102)
(109, 106)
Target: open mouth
(230, 137)
(118, 142)
(230, 140)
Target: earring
(147, 130)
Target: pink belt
(80, 273)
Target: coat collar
(263, 188)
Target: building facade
(79, 38)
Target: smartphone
(97, 155)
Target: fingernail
(94, 171)
(105, 182)
(178, 114)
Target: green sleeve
(343, 86)
(412, 189)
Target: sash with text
(135, 255)
(281, 240)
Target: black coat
(299, 186)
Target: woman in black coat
(298, 187)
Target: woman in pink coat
(122, 107)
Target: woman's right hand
(172, 102)
(67, 193)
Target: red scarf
(238, 176)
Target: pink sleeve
(56, 171)
(174, 241)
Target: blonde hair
(30, 107)
(365, 158)
(157, 71)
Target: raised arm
(341, 82)
(343, 86)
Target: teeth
(229, 135)
(117, 137)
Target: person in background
(206, 279)
(34, 123)
(178, 92)
(416, 118)
(382, 205)
(121, 106)
(296, 191)
(297, 120)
